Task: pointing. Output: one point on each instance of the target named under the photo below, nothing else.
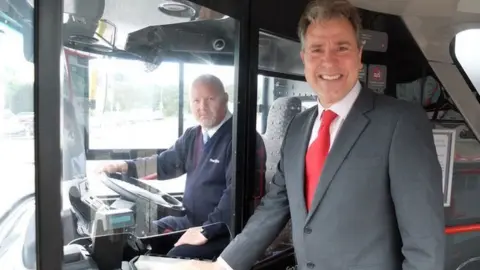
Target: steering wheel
(131, 189)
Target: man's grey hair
(210, 80)
(321, 10)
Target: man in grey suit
(358, 176)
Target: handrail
(462, 229)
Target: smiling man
(204, 153)
(358, 175)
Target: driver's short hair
(210, 80)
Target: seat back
(281, 113)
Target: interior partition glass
(279, 55)
(281, 94)
(132, 71)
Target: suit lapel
(301, 146)
(351, 129)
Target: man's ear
(360, 53)
(302, 56)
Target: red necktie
(316, 156)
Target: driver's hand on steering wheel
(114, 167)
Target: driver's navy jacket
(207, 196)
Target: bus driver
(204, 153)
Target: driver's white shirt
(211, 131)
(148, 165)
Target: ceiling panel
(433, 23)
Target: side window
(464, 209)
(17, 147)
(463, 215)
(131, 108)
(467, 56)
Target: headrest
(281, 113)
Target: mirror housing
(78, 11)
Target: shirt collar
(211, 131)
(342, 107)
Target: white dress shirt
(341, 108)
(211, 131)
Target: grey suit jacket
(379, 202)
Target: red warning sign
(377, 77)
(377, 74)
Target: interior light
(66, 17)
(177, 9)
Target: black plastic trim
(181, 101)
(281, 75)
(120, 154)
(48, 22)
(244, 121)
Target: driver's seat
(281, 113)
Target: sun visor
(196, 41)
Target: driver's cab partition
(132, 84)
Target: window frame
(47, 46)
(460, 68)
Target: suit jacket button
(310, 265)
(308, 230)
